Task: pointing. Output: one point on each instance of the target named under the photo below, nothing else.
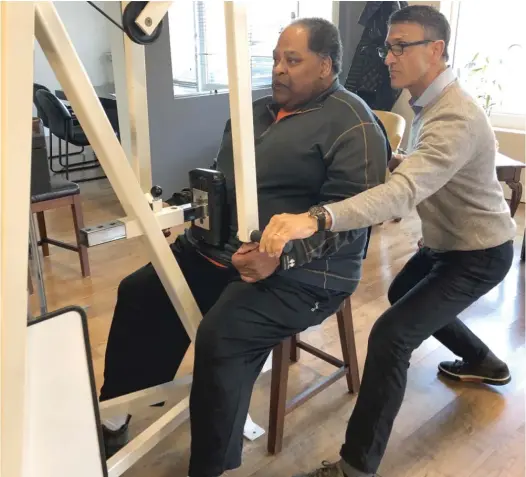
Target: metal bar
(148, 439)
(16, 78)
(37, 264)
(241, 115)
(118, 62)
(135, 64)
(126, 228)
(146, 397)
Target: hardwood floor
(444, 429)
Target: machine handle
(255, 236)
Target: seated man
(315, 143)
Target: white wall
(89, 33)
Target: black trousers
(426, 297)
(242, 323)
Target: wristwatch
(320, 214)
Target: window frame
(500, 120)
(204, 88)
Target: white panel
(62, 431)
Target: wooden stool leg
(278, 395)
(43, 232)
(294, 350)
(78, 222)
(346, 328)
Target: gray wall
(185, 133)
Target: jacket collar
(315, 103)
(433, 91)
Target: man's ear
(438, 49)
(326, 67)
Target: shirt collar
(434, 90)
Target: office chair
(62, 125)
(45, 121)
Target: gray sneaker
(327, 470)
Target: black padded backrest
(40, 112)
(58, 116)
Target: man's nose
(278, 68)
(390, 58)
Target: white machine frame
(20, 23)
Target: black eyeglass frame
(383, 51)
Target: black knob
(156, 191)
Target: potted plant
(481, 77)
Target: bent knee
(389, 339)
(210, 338)
(395, 292)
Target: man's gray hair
(434, 23)
(324, 39)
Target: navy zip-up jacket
(329, 149)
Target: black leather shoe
(114, 441)
(490, 371)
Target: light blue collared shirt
(441, 82)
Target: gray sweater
(449, 176)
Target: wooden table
(509, 171)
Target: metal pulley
(134, 32)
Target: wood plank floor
(443, 430)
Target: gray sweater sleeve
(355, 162)
(444, 145)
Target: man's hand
(253, 265)
(285, 227)
(396, 160)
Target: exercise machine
(20, 23)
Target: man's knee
(225, 331)
(389, 339)
(396, 291)
(127, 287)
(212, 336)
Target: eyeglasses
(398, 48)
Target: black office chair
(45, 121)
(62, 125)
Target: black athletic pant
(426, 297)
(242, 323)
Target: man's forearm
(379, 204)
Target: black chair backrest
(58, 116)
(40, 112)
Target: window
(488, 54)
(198, 46)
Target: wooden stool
(288, 351)
(61, 194)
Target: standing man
(449, 175)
